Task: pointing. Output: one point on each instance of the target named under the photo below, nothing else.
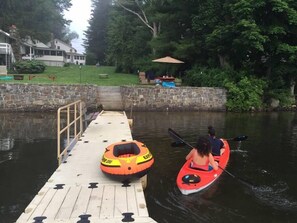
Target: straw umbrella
(168, 60)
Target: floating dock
(78, 191)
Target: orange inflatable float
(126, 160)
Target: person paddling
(201, 156)
(216, 144)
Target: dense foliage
(96, 34)
(245, 95)
(36, 18)
(229, 43)
(29, 67)
(247, 46)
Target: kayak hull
(191, 180)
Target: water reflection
(267, 159)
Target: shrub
(29, 67)
(246, 94)
(91, 59)
(284, 96)
(205, 77)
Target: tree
(96, 34)
(67, 35)
(140, 9)
(127, 41)
(35, 18)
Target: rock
(274, 103)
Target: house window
(68, 56)
(59, 53)
(58, 47)
(46, 52)
(39, 52)
(53, 53)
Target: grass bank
(85, 75)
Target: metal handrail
(76, 110)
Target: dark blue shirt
(216, 145)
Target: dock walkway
(79, 192)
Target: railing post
(58, 136)
(71, 125)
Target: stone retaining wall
(174, 99)
(34, 97)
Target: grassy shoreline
(84, 75)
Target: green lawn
(85, 75)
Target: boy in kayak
(216, 144)
(201, 156)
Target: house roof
(66, 44)
(40, 45)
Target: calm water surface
(267, 160)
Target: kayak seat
(197, 168)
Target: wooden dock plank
(82, 202)
(68, 204)
(40, 209)
(132, 205)
(120, 200)
(142, 208)
(56, 202)
(108, 204)
(95, 201)
(32, 206)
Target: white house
(34, 49)
(6, 53)
(72, 56)
(55, 53)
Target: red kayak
(191, 180)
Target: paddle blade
(174, 134)
(177, 138)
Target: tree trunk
(292, 88)
(224, 61)
(16, 44)
(155, 30)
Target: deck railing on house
(6, 49)
(69, 128)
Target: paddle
(179, 139)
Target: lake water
(267, 160)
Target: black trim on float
(93, 185)
(59, 186)
(84, 218)
(128, 217)
(39, 219)
(126, 183)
